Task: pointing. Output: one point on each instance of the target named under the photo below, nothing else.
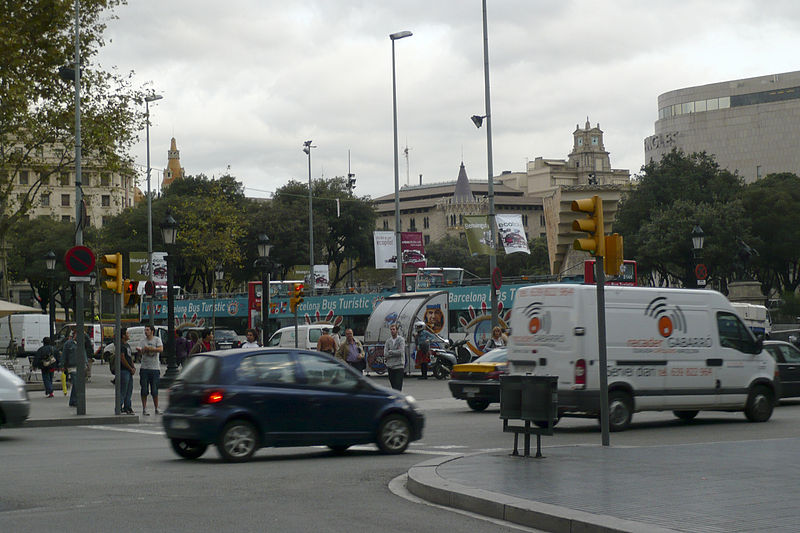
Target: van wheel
(685, 415)
(620, 410)
(760, 403)
(477, 404)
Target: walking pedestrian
(422, 341)
(394, 357)
(326, 343)
(351, 351)
(45, 361)
(126, 373)
(206, 344)
(150, 369)
(251, 339)
(182, 347)
(69, 360)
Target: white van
(308, 335)
(755, 317)
(26, 331)
(668, 349)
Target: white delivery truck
(23, 333)
(756, 317)
(667, 349)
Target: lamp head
(400, 35)
(153, 98)
(477, 120)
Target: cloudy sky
(245, 82)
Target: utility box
(511, 397)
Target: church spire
(174, 170)
(463, 192)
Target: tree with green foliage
(37, 115)
(671, 197)
(452, 251)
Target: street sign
(497, 278)
(149, 288)
(701, 272)
(79, 261)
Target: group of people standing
(150, 351)
(350, 350)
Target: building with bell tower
(174, 171)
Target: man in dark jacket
(182, 347)
(45, 361)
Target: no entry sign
(79, 261)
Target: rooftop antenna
(405, 154)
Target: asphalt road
(126, 478)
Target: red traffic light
(131, 287)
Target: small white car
(15, 406)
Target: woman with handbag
(45, 360)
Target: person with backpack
(45, 360)
(182, 347)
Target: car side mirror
(759, 345)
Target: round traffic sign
(497, 278)
(700, 271)
(79, 261)
(149, 288)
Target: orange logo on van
(668, 318)
(538, 320)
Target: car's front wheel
(238, 441)
(188, 449)
(394, 434)
(759, 404)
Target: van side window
(734, 334)
(275, 340)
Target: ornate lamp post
(266, 268)
(169, 234)
(147, 100)
(50, 262)
(698, 236)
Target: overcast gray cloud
(245, 82)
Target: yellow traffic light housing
(614, 255)
(113, 272)
(592, 224)
(296, 297)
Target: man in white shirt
(150, 369)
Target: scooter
(442, 361)
(463, 355)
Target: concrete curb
(424, 482)
(78, 420)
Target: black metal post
(172, 367)
(52, 307)
(265, 279)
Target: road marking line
(126, 430)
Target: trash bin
(539, 399)
(511, 397)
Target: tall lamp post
(398, 248)
(219, 275)
(169, 234)
(307, 149)
(147, 100)
(266, 268)
(698, 237)
(50, 263)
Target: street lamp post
(398, 248)
(307, 149)
(698, 237)
(50, 263)
(266, 266)
(147, 100)
(219, 275)
(169, 234)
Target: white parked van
(755, 317)
(668, 349)
(308, 335)
(26, 331)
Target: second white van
(667, 349)
(308, 335)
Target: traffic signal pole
(600, 279)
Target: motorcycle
(463, 355)
(442, 361)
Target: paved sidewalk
(744, 486)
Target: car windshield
(200, 369)
(498, 355)
(225, 335)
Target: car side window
(734, 334)
(314, 335)
(773, 351)
(267, 368)
(324, 371)
(790, 353)
(275, 340)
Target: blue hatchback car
(242, 400)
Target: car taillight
(213, 396)
(495, 374)
(580, 374)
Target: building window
(460, 220)
(105, 179)
(426, 223)
(45, 200)
(66, 218)
(524, 220)
(23, 177)
(385, 224)
(759, 174)
(106, 220)
(541, 220)
(594, 140)
(426, 239)
(65, 200)
(412, 224)
(64, 181)
(105, 200)
(44, 178)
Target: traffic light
(592, 224)
(130, 297)
(614, 255)
(296, 296)
(113, 272)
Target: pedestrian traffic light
(113, 272)
(296, 297)
(614, 255)
(592, 224)
(130, 296)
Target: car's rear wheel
(477, 404)
(760, 403)
(238, 441)
(394, 434)
(188, 449)
(620, 410)
(686, 415)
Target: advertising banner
(413, 249)
(385, 249)
(137, 262)
(321, 278)
(512, 233)
(479, 235)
